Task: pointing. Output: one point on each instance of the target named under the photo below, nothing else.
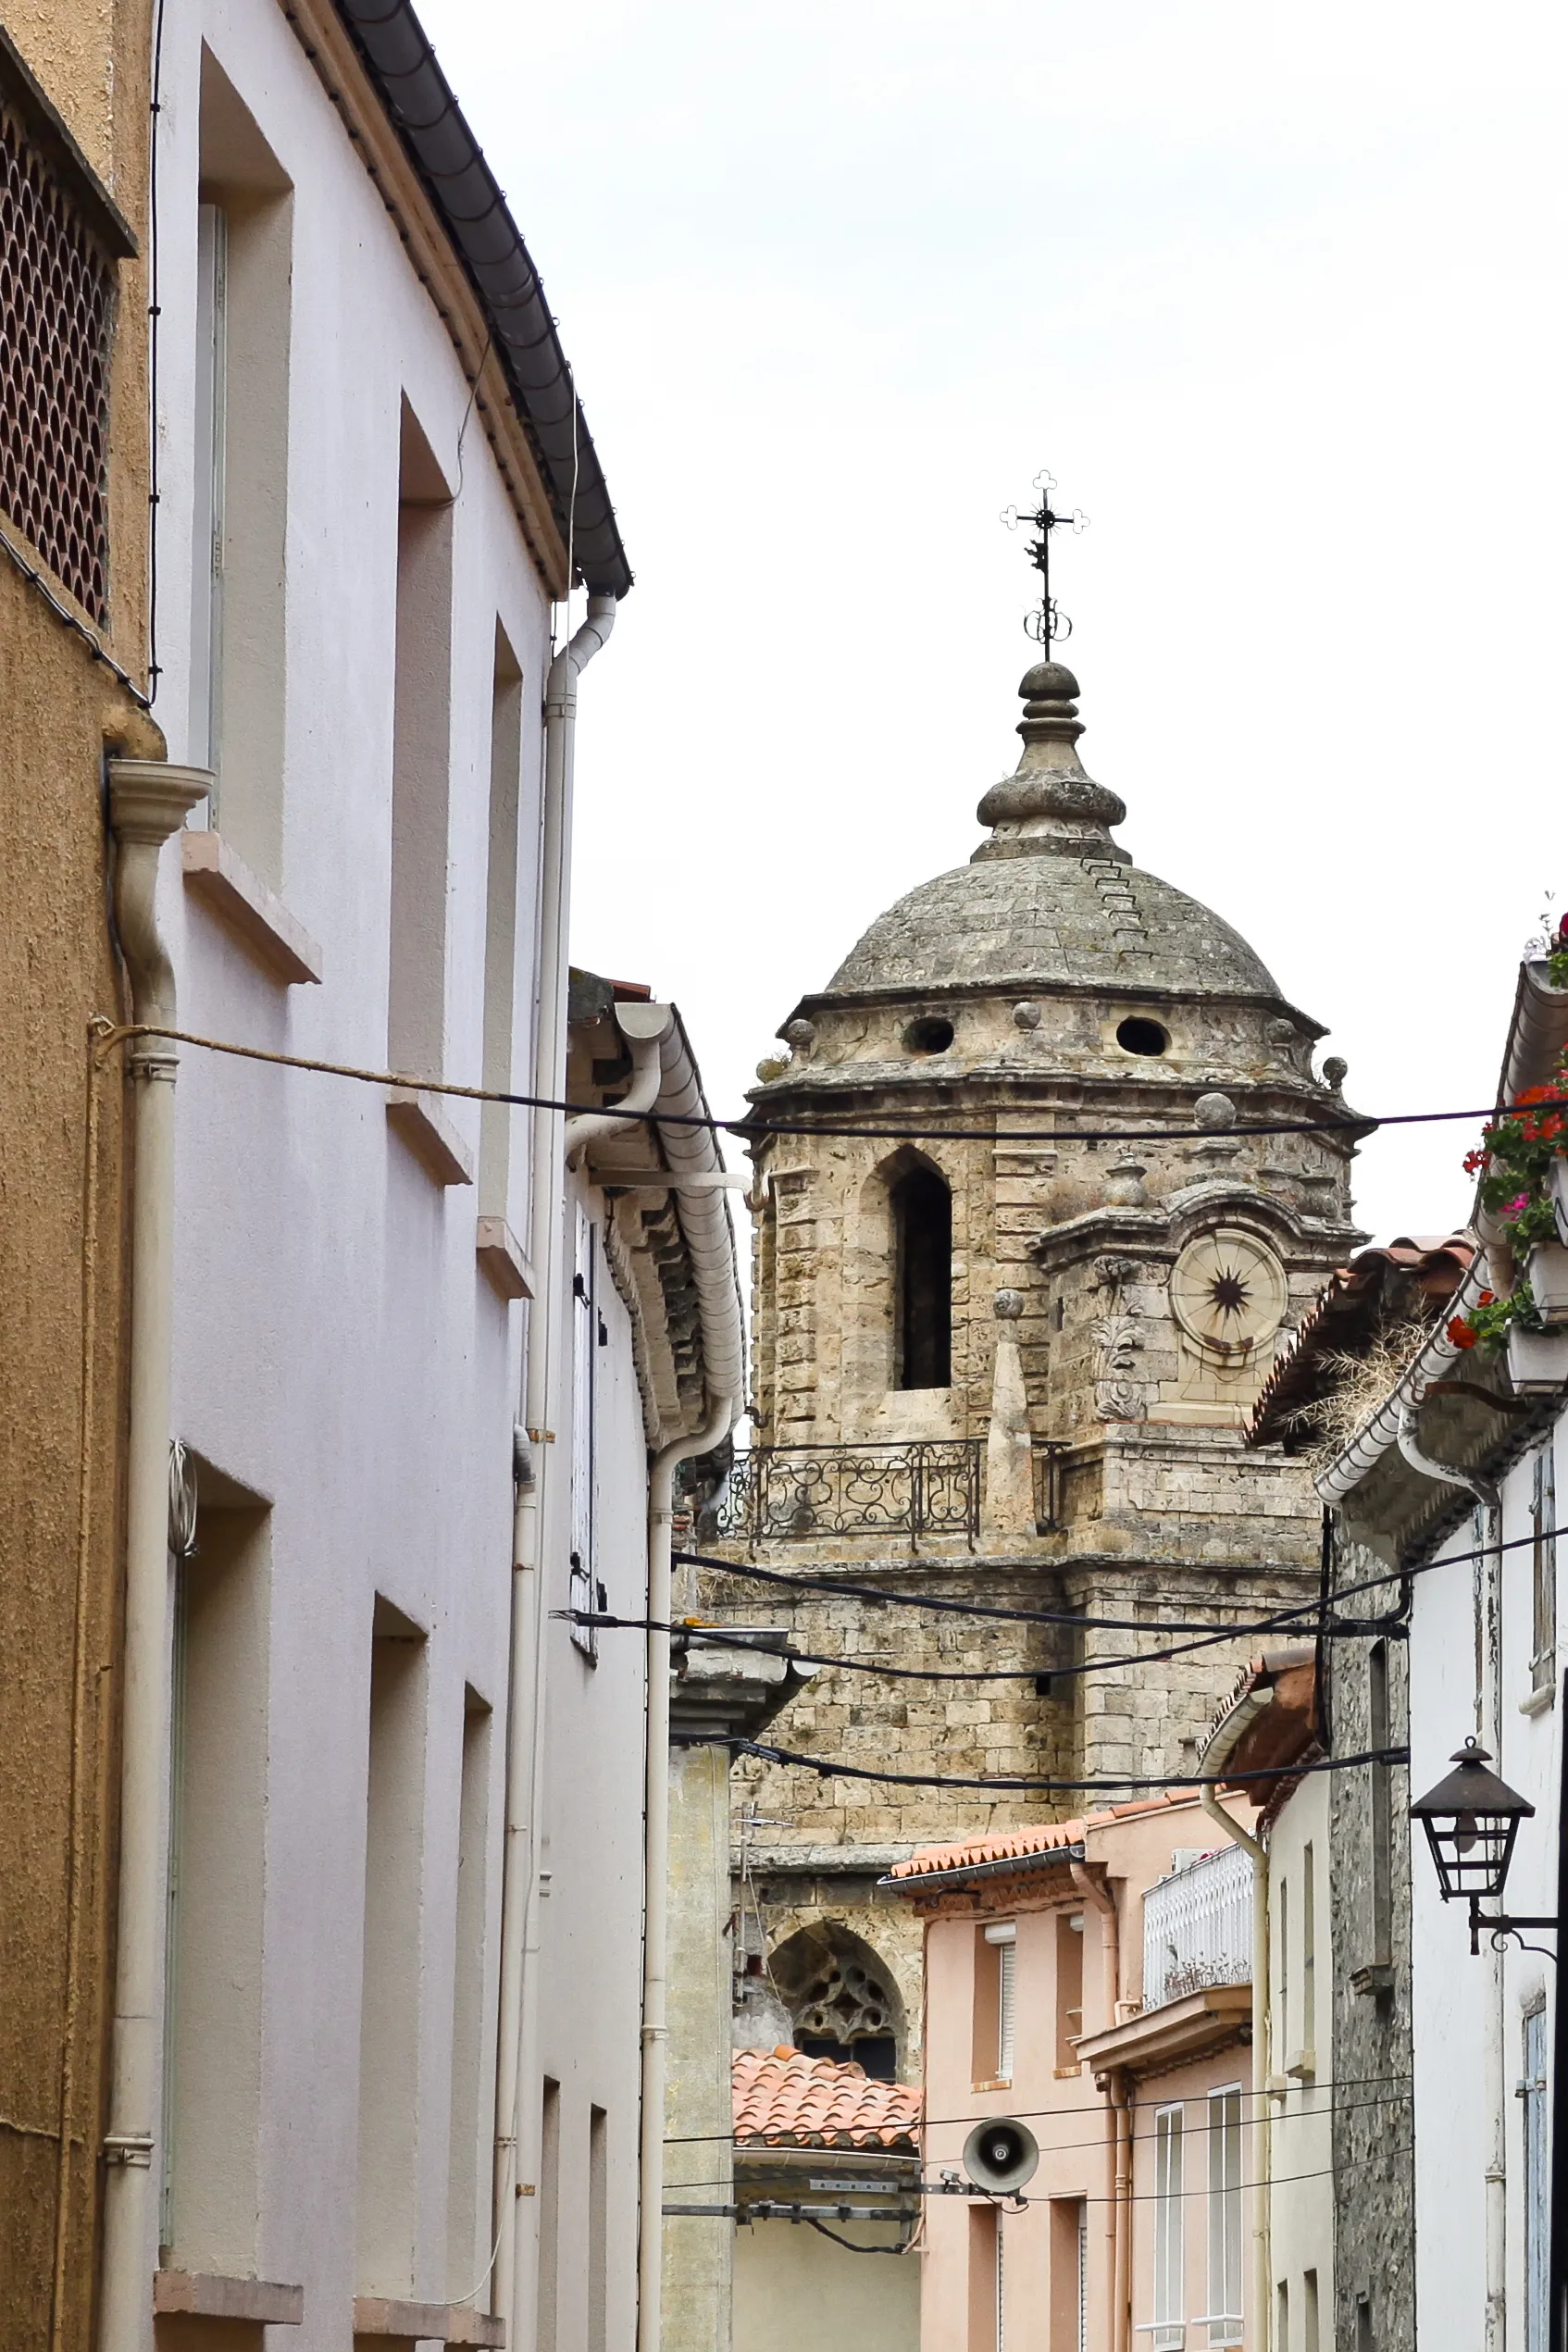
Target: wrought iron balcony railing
(1198, 1927)
(929, 1487)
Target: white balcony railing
(1198, 1927)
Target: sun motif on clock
(1228, 1293)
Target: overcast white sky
(1278, 296)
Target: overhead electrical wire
(826, 1768)
(922, 1130)
(1094, 2106)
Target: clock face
(1228, 1293)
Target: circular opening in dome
(928, 1037)
(1138, 1036)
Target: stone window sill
(500, 1258)
(1537, 1701)
(430, 1135)
(378, 2319)
(247, 908)
(207, 2295)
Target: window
(390, 2102)
(922, 1207)
(985, 2279)
(1543, 1528)
(1138, 1036)
(1381, 1875)
(1069, 1986)
(1168, 2332)
(995, 1949)
(1282, 2010)
(1067, 2276)
(586, 1592)
(1311, 2340)
(547, 2277)
(1365, 2340)
(218, 1829)
(59, 245)
(1537, 2226)
(598, 2228)
(1308, 1952)
(421, 760)
(238, 641)
(466, 2252)
(1225, 2248)
(1282, 2318)
(501, 925)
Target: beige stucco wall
(698, 2110)
(61, 1348)
(795, 2287)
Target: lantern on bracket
(1471, 1820)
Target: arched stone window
(841, 1998)
(922, 1210)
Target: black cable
(1285, 1620)
(791, 1656)
(847, 2243)
(838, 1589)
(1087, 2107)
(827, 1769)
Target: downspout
(1091, 1881)
(647, 1075)
(148, 802)
(517, 2031)
(655, 1871)
(1260, 2332)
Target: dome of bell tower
(1050, 899)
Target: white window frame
(1226, 2219)
(1167, 2328)
(1543, 1557)
(1004, 1935)
(208, 518)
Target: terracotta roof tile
(1001, 1846)
(785, 2099)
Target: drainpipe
(642, 1027)
(517, 2030)
(148, 800)
(656, 1872)
(1262, 2330)
(1090, 1878)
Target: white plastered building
(389, 1912)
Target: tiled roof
(1001, 1846)
(1429, 1267)
(785, 2099)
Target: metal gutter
(693, 1151)
(421, 107)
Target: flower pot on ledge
(1537, 1360)
(1549, 1280)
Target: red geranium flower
(1459, 1332)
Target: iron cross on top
(1048, 624)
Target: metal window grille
(1198, 1927)
(57, 306)
(1225, 2216)
(1169, 2330)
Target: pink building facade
(1092, 1980)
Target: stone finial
(1280, 1031)
(799, 1036)
(1336, 1070)
(1008, 1305)
(1050, 804)
(769, 1069)
(1025, 1015)
(1215, 1112)
(1124, 1184)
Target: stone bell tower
(1004, 1359)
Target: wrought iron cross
(1048, 624)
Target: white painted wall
(1450, 1989)
(337, 1353)
(1300, 2138)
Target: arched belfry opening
(922, 1215)
(841, 1997)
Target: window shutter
(1006, 1956)
(584, 1327)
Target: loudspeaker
(1001, 2155)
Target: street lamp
(1471, 1819)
